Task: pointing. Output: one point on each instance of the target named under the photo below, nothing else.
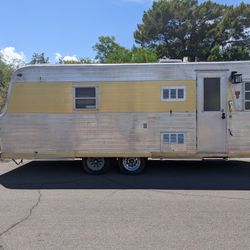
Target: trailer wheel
(131, 165)
(95, 165)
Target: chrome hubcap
(132, 163)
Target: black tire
(132, 165)
(95, 165)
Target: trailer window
(85, 97)
(247, 95)
(173, 138)
(173, 93)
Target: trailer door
(212, 111)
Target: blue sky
(68, 27)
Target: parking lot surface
(172, 205)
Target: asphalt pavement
(172, 205)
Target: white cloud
(70, 58)
(11, 56)
(59, 57)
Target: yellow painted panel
(144, 97)
(40, 98)
(112, 97)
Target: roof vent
(168, 60)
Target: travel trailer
(128, 112)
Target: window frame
(173, 134)
(170, 99)
(246, 91)
(96, 98)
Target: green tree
(206, 31)
(143, 55)
(81, 60)
(107, 45)
(6, 70)
(109, 51)
(39, 58)
(118, 55)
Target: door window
(212, 94)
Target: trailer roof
(124, 72)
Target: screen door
(212, 112)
